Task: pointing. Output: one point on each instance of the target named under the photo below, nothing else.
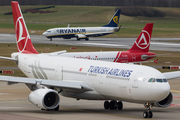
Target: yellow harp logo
(115, 19)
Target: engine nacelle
(166, 102)
(44, 98)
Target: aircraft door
(135, 81)
(101, 78)
(59, 73)
(133, 57)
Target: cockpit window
(48, 31)
(151, 80)
(165, 80)
(157, 80)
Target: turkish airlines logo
(115, 19)
(144, 40)
(21, 34)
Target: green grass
(86, 16)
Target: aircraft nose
(44, 34)
(162, 91)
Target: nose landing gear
(148, 113)
(112, 105)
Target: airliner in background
(50, 75)
(139, 52)
(85, 32)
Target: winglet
(142, 43)
(115, 20)
(24, 44)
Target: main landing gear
(113, 105)
(148, 113)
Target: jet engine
(44, 98)
(165, 102)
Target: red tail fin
(24, 43)
(142, 43)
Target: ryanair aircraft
(85, 32)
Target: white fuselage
(110, 81)
(81, 32)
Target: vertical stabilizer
(142, 43)
(24, 44)
(115, 20)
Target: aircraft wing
(58, 52)
(68, 85)
(8, 58)
(171, 75)
(92, 34)
(97, 33)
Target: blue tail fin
(115, 20)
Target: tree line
(149, 3)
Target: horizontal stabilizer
(8, 58)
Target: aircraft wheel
(86, 39)
(150, 114)
(50, 39)
(106, 105)
(113, 105)
(120, 105)
(145, 114)
(57, 108)
(78, 39)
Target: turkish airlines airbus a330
(139, 52)
(49, 75)
(85, 32)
